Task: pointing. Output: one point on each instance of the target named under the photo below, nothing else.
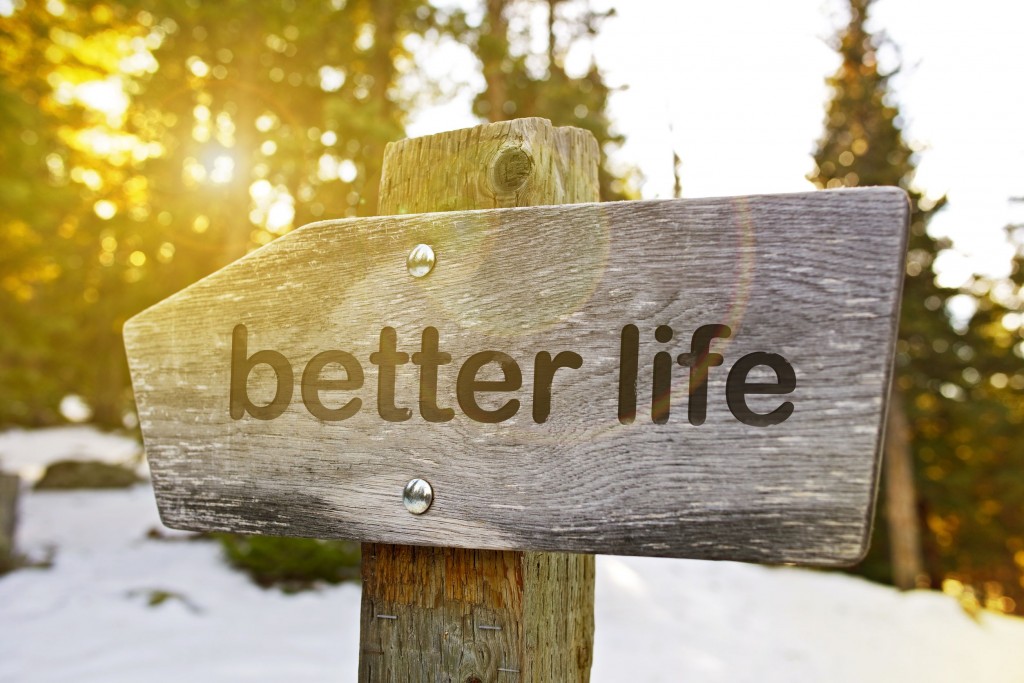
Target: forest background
(147, 143)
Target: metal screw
(421, 260)
(417, 496)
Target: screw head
(421, 260)
(417, 496)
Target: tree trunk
(493, 51)
(901, 498)
(475, 616)
(9, 486)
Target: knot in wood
(473, 679)
(510, 169)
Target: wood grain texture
(814, 277)
(525, 162)
(451, 614)
(448, 614)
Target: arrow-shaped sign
(695, 378)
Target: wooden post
(9, 486)
(474, 616)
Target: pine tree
(973, 487)
(863, 145)
(956, 408)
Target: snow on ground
(87, 618)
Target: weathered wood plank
(812, 277)
(437, 614)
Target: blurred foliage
(292, 564)
(36, 260)
(146, 143)
(958, 381)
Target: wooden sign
(693, 378)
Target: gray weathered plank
(813, 277)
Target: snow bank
(88, 618)
(684, 620)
